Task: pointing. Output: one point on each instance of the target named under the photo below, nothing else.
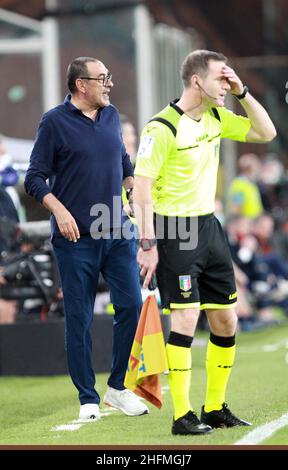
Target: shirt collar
(69, 105)
(174, 105)
(67, 102)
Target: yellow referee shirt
(183, 162)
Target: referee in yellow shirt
(180, 238)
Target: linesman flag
(148, 355)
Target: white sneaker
(89, 411)
(126, 401)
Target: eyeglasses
(104, 79)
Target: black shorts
(201, 276)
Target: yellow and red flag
(148, 355)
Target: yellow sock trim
(219, 362)
(180, 362)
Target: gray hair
(77, 69)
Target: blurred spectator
(237, 228)
(8, 195)
(130, 141)
(244, 195)
(244, 309)
(8, 308)
(275, 180)
(7, 212)
(266, 273)
(281, 238)
(255, 282)
(239, 231)
(8, 176)
(129, 137)
(263, 230)
(28, 273)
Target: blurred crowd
(9, 203)
(29, 281)
(256, 223)
(254, 213)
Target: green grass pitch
(31, 407)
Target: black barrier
(37, 348)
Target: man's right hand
(147, 261)
(66, 224)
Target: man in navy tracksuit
(79, 148)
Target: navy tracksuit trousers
(79, 265)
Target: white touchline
(263, 432)
(78, 423)
(67, 427)
(265, 347)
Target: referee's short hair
(198, 62)
(77, 69)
